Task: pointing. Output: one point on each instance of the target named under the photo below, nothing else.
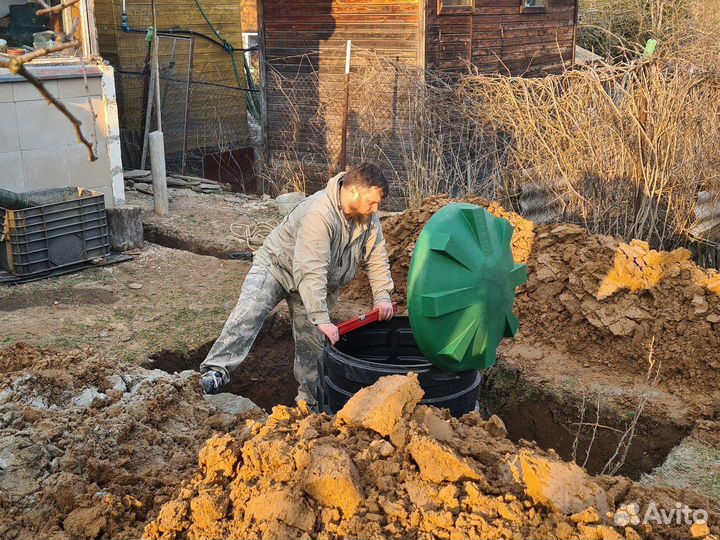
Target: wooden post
(156, 67)
(157, 140)
(346, 111)
(148, 118)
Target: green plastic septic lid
(461, 287)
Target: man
(306, 260)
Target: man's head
(363, 189)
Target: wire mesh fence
(199, 117)
(621, 150)
(399, 117)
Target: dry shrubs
(625, 149)
(619, 30)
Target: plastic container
(461, 287)
(364, 355)
(68, 226)
(42, 40)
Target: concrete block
(13, 173)
(90, 398)
(85, 173)
(45, 169)
(110, 201)
(80, 107)
(24, 91)
(9, 139)
(117, 383)
(230, 403)
(68, 88)
(41, 125)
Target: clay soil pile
(595, 297)
(605, 302)
(89, 449)
(385, 467)
(401, 231)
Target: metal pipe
(187, 103)
(346, 111)
(125, 26)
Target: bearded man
(305, 261)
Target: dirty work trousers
(259, 295)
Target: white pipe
(347, 57)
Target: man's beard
(360, 219)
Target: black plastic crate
(68, 226)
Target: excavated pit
(266, 376)
(551, 419)
(528, 410)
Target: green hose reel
(461, 287)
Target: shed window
(533, 6)
(454, 7)
(22, 30)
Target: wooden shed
(249, 16)
(203, 94)
(518, 37)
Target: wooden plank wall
(249, 15)
(211, 64)
(497, 37)
(305, 49)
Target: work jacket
(315, 250)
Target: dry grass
(618, 30)
(624, 149)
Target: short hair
(367, 175)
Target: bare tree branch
(42, 52)
(66, 41)
(54, 9)
(17, 67)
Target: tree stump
(125, 228)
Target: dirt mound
(89, 448)
(385, 467)
(402, 230)
(605, 302)
(594, 297)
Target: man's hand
(331, 331)
(386, 310)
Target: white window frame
(443, 9)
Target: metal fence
(392, 121)
(199, 117)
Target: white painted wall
(38, 146)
